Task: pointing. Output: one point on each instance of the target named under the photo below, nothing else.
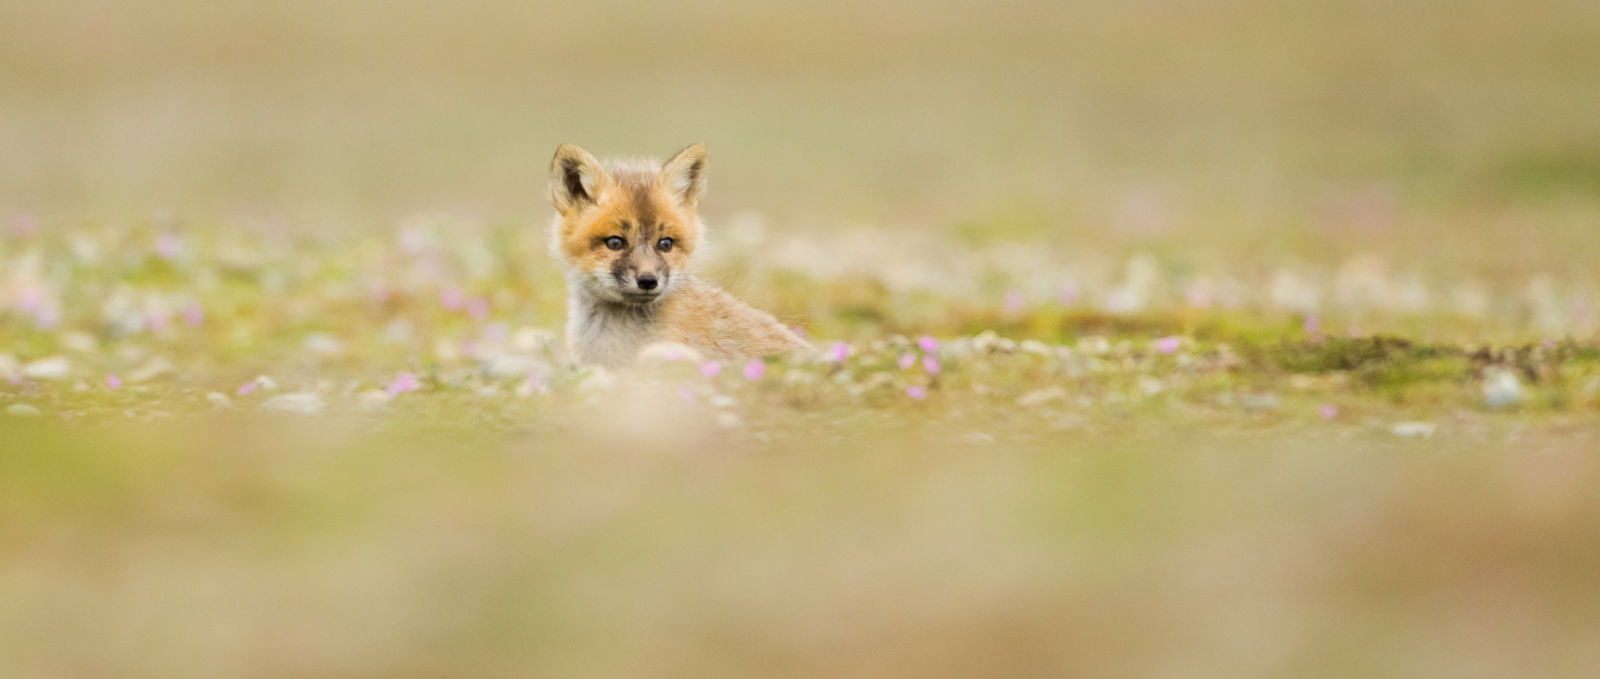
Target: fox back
(625, 232)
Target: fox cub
(625, 231)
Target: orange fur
(625, 230)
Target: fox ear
(685, 175)
(576, 179)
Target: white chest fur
(607, 333)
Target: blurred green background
(340, 196)
(1293, 125)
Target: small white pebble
(323, 343)
(977, 437)
(1502, 389)
(151, 369)
(985, 341)
(1035, 347)
(1413, 430)
(1040, 397)
(23, 410)
(53, 368)
(875, 381)
(958, 348)
(304, 403)
(398, 331)
(219, 399)
(795, 376)
(506, 366)
(80, 342)
(373, 399)
(1094, 346)
(988, 342)
(1259, 401)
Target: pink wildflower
(47, 318)
(907, 360)
(711, 368)
(169, 246)
(1167, 345)
(24, 225)
(1069, 294)
(478, 308)
(917, 392)
(930, 364)
(30, 299)
(403, 383)
(113, 381)
(1014, 301)
(451, 299)
(755, 370)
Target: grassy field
(1233, 339)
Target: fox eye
(615, 242)
(664, 244)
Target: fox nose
(647, 281)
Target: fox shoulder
(704, 316)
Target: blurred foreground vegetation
(252, 453)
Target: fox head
(625, 229)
